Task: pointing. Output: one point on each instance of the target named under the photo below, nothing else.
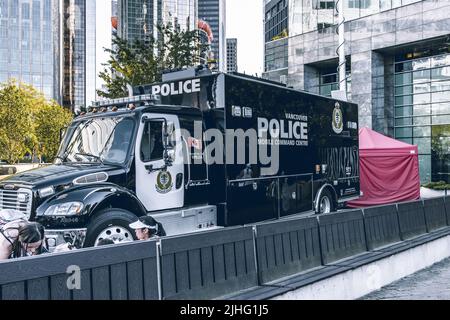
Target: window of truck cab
(98, 140)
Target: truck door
(159, 186)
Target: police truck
(198, 151)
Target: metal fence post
(158, 268)
(255, 249)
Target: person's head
(105, 242)
(147, 227)
(30, 239)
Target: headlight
(45, 192)
(64, 209)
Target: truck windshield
(98, 140)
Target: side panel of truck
(311, 152)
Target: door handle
(179, 180)
(150, 168)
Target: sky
(245, 22)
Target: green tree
(28, 122)
(50, 119)
(142, 62)
(16, 121)
(180, 48)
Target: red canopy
(389, 170)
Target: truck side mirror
(169, 152)
(62, 132)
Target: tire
(326, 203)
(110, 223)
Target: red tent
(389, 170)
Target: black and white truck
(196, 153)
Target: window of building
(422, 108)
(25, 11)
(326, 4)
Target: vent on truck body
(91, 178)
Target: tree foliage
(142, 62)
(28, 123)
(50, 119)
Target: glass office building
(79, 53)
(422, 107)
(214, 13)
(29, 44)
(398, 68)
(138, 18)
(276, 31)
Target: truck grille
(20, 200)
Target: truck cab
(123, 160)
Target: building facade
(30, 44)
(232, 65)
(137, 18)
(276, 31)
(214, 13)
(79, 53)
(398, 68)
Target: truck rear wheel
(110, 224)
(326, 203)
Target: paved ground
(432, 283)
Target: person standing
(146, 228)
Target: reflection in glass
(421, 76)
(421, 98)
(403, 111)
(425, 168)
(424, 145)
(441, 108)
(403, 132)
(440, 146)
(421, 120)
(403, 121)
(442, 73)
(422, 131)
(442, 119)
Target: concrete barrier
(435, 215)
(381, 226)
(208, 264)
(411, 219)
(447, 208)
(341, 235)
(120, 272)
(287, 247)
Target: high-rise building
(232, 55)
(86, 29)
(114, 5)
(137, 18)
(30, 44)
(398, 68)
(214, 13)
(79, 23)
(276, 31)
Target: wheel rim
(117, 234)
(325, 205)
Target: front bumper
(75, 237)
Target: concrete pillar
(305, 78)
(372, 85)
(362, 86)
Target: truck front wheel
(326, 204)
(110, 224)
